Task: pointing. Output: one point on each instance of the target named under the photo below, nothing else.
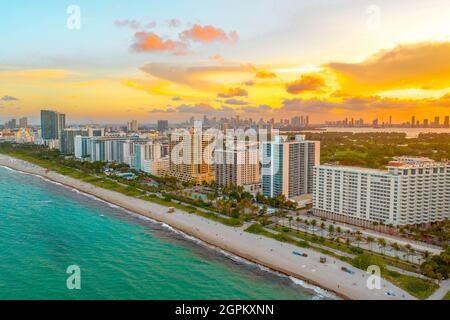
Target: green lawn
(419, 288)
(447, 296)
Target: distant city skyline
(153, 60)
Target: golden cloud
(423, 65)
(233, 92)
(193, 77)
(264, 74)
(208, 34)
(306, 83)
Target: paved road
(442, 291)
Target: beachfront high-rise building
(82, 147)
(109, 149)
(189, 159)
(163, 126)
(145, 155)
(411, 191)
(52, 124)
(287, 166)
(239, 166)
(67, 140)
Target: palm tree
(408, 249)
(426, 255)
(322, 228)
(331, 230)
(382, 243)
(358, 239)
(298, 222)
(339, 230)
(313, 224)
(370, 240)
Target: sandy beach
(264, 251)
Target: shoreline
(261, 251)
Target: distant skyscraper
(23, 122)
(296, 121)
(287, 166)
(413, 121)
(133, 126)
(52, 124)
(163, 125)
(11, 124)
(446, 121)
(437, 122)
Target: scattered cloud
(306, 83)
(249, 83)
(151, 42)
(173, 23)
(130, 23)
(208, 34)
(194, 76)
(233, 92)
(8, 98)
(264, 74)
(197, 109)
(236, 102)
(150, 25)
(217, 57)
(177, 99)
(134, 24)
(311, 106)
(263, 109)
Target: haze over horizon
(174, 60)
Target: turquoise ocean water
(44, 228)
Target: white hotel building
(411, 191)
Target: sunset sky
(149, 60)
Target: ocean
(46, 227)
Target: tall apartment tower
(145, 154)
(287, 166)
(411, 191)
(52, 124)
(67, 140)
(189, 159)
(163, 126)
(238, 166)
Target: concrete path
(442, 291)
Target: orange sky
(193, 68)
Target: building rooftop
(353, 168)
(414, 162)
